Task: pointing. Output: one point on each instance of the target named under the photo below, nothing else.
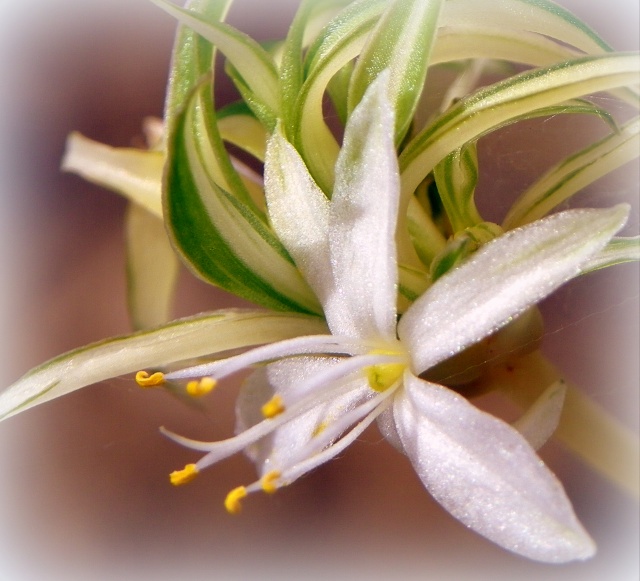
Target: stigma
(382, 376)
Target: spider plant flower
(319, 393)
(365, 257)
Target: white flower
(320, 392)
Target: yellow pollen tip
(202, 387)
(273, 407)
(187, 474)
(143, 379)
(268, 481)
(232, 502)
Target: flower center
(382, 376)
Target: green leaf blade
(177, 341)
(401, 42)
(515, 97)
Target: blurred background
(84, 492)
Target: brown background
(84, 491)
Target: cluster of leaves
(213, 205)
(215, 212)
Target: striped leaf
(254, 65)
(539, 16)
(180, 340)
(497, 104)
(220, 236)
(400, 42)
(618, 251)
(340, 41)
(456, 177)
(575, 173)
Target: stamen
(202, 387)
(274, 407)
(268, 481)
(311, 459)
(314, 344)
(187, 474)
(143, 379)
(232, 502)
(224, 448)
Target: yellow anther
(143, 379)
(187, 474)
(273, 407)
(202, 387)
(268, 481)
(232, 502)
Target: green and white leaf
(539, 16)
(456, 177)
(574, 173)
(310, 18)
(618, 251)
(180, 340)
(459, 42)
(340, 41)
(400, 42)
(252, 62)
(192, 56)
(221, 237)
(512, 98)
(190, 80)
(239, 127)
(212, 219)
(425, 235)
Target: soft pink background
(84, 491)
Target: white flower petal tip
(539, 422)
(502, 279)
(486, 475)
(362, 220)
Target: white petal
(486, 474)
(282, 446)
(387, 427)
(501, 280)
(363, 218)
(299, 213)
(539, 422)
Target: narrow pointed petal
(486, 475)
(501, 280)
(363, 220)
(539, 422)
(299, 213)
